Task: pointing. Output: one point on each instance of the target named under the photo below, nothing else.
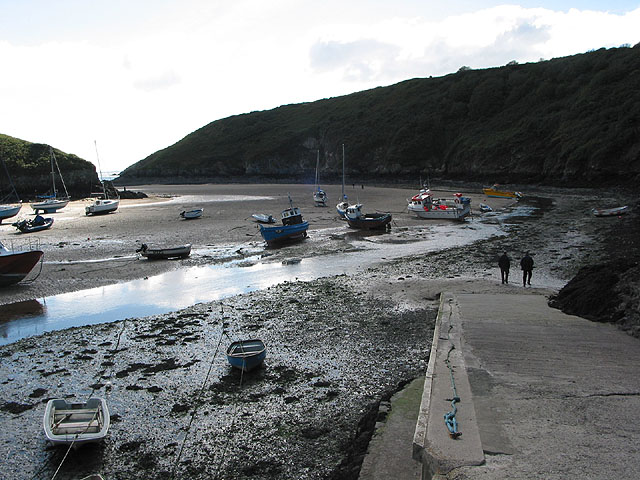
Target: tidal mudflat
(337, 345)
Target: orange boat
(495, 191)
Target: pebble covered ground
(337, 347)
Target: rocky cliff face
(78, 182)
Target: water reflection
(178, 289)
(19, 311)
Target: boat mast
(53, 159)
(104, 189)
(53, 176)
(343, 171)
(317, 165)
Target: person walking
(527, 268)
(504, 263)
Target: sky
(114, 81)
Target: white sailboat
(52, 202)
(102, 205)
(9, 209)
(343, 205)
(319, 196)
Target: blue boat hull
(246, 354)
(284, 233)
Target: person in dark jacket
(527, 268)
(504, 263)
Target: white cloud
(140, 87)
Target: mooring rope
(450, 417)
(93, 389)
(195, 409)
(233, 422)
(30, 281)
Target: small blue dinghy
(246, 354)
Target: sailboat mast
(104, 189)
(53, 175)
(317, 165)
(343, 171)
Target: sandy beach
(339, 345)
(75, 242)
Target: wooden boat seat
(74, 411)
(73, 428)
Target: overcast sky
(136, 76)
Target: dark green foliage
(29, 165)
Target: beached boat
(15, 266)
(191, 214)
(76, 423)
(484, 208)
(8, 211)
(319, 196)
(497, 192)
(344, 204)
(105, 204)
(293, 227)
(102, 206)
(263, 218)
(10, 204)
(53, 202)
(610, 212)
(367, 221)
(246, 354)
(37, 224)
(425, 206)
(182, 251)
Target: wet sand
(337, 345)
(75, 242)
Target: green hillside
(29, 165)
(572, 120)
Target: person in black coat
(527, 268)
(504, 263)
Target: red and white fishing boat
(14, 266)
(425, 206)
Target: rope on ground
(450, 417)
(195, 409)
(30, 281)
(233, 422)
(93, 389)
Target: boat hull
(191, 214)
(320, 198)
(246, 354)
(15, 266)
(452, 213)
(102, 207)
(371, 221)
(8, 211)
(263, 218)
(49, 206)
(284, 233)
(183, 251)
(76, 423)
(490, 192)
(610, 212)
(28, 226)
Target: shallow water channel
(180, 288)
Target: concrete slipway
(542, 395)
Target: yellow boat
(495, 191)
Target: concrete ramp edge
(433, 445)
